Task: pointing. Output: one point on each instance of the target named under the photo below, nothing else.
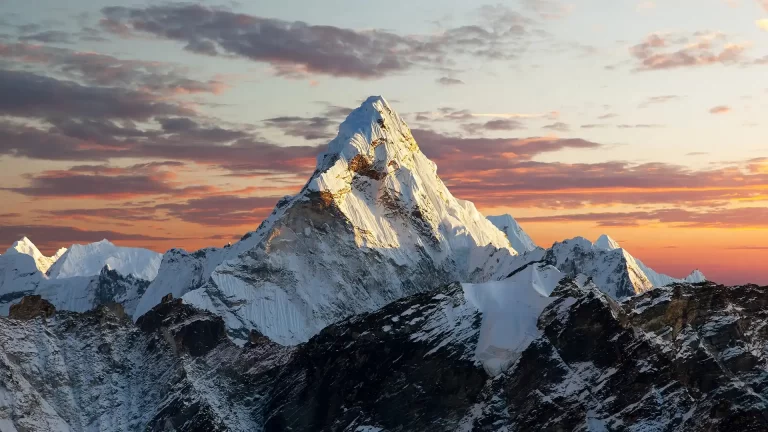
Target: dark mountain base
(680, 358)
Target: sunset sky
(164, 125)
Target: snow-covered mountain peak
(696, 276)
(613, 269)
(606, 242)
(373, 142)
(376, 175)
(374, 223)
(26, 247)
(366, 128)
(517, 237)
(88, 260)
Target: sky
(166, 124)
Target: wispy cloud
(720, 109)
(670, 51)
(447, 81)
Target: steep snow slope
(25, 246)
(88, 260)
(519, 239)
(19, 276)
(656, 279)
(511, 309)
(374, 223)
(181, 271)
(606, 242)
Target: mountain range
(375, 300)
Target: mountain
(19, 276)
(26, 247)
(614, 271)
(72, 283)
(519, 239)
(373, 224)
(676, 358)
(88, 260)
(606, 242)
(696, 276)
(656, 279)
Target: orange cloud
(720, 109)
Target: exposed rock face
(98, 371)
(190, 330)
(679, 358)
(31, 307)
(408, 366)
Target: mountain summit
(26, 247)
(606, 242)
(374, 223)
(517, 237)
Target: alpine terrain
(374, 300)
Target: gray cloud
(48, 36)
(104, 70)
(297, 48)
(25, 94)
(558, 126)
(309, 128)
(447, 81)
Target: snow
(511, 310)
(605, 242)
(613, 269)
(387, 227)
(696, 276)
(519, 239)
(18, 273)
(26, 247)
(21, 273)
(88, 260)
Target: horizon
(182, 124)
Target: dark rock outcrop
(190, 330)
(31, 307)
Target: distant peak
(518, 238)
(606, 242)
(23, 241)
(696, 276)
(25, 246)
